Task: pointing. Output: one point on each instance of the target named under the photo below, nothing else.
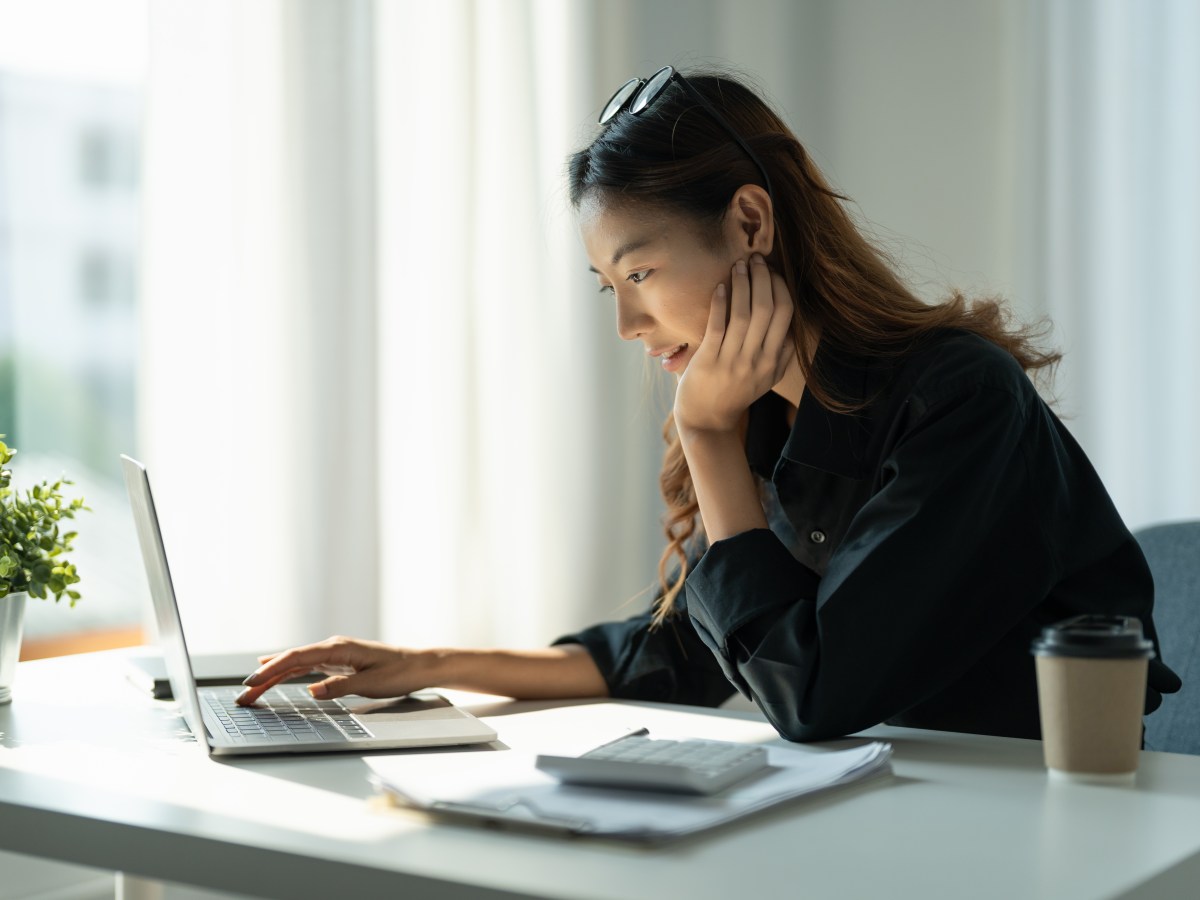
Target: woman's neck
(791, 387)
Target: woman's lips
(672, 357)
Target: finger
(761, 303)
(308, 658)
(714, 331)
(261, 686)
(334, 686)
(250, 695)
(739, 308)
(374, 682)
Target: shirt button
(817, 537)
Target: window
(70, 128)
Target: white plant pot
(12, 620)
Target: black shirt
(916, 548)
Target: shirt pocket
(818, 507)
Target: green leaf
(32, 545)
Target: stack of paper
(505, 788)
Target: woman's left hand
(739, 361)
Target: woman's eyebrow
(628, 247)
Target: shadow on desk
(339, 773)
(520, 707)
(945, 748)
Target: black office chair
(1173, 552)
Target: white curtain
(1114, 246)
(488, 501)
(257, 380)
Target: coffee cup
(1091, 676)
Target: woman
(870, 510)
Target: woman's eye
(635, 277)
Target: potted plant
(32, 557)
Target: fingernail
(757, 257)
(318, 690)
(721, 291)
(740, 265)
(243, 694)
(251, 679)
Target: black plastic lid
(1099, 637)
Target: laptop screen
(162, 592)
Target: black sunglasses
(636, 95)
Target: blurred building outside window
(70, 135)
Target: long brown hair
(675, 156)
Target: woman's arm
(373, 669)
(725, 487)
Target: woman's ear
(749, 223)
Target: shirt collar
(831, 441)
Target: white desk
(92, 772)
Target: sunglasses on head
(635, 96)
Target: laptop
(286, 719)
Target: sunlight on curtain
(487, 334)
(258, 373)
(214, 322)
(1115, 255)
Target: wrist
(701, 418)
(707, 435)
(443, 666)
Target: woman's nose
(632, 321)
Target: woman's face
(662, 274)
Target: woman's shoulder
(953, 362)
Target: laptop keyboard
(285, 714)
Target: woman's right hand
(746, 350)
(366, 668)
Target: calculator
(637, 761)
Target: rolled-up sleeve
(767, 578)
(668, 663)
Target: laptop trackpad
(402, 709)
(423, 719)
